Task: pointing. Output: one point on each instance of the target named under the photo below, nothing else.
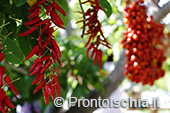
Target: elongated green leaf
(18, 3)
(106, 6)
(12, 52)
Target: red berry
(133, 58)
(135, 37)
(2, 56)
(135, 64)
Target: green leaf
(5, 3)
(18, 3)
(16, 56)
(106, 6)
(11, 27)
(2, 15)
(24, 45)
(19, 12)
(23, 91)
(64, 5)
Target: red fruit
(32, 29)
(56, 47)
(2, 95)
(8, 102)
(135, 50)
(33, 51)
(126, 72)
(38, 78)
(138, 32)
(56, 6)
(2, 71)
(138, 19)
(138, 26)
(137, 7)
(125, 20)
(57, 86)
(46, 96)
(133, 44)
(144, 60)
(89, 48)
(129, 40)
(130, 35)
(139, 46)
(2, 56)
(37, 69)
(126, 66)
(133, 22)
(46, 65)
(135, 37)
(127, 53)
(40, 85)
(11, 86)
(33, 66)
(135, 64)
(133, 58)
(133, 13)
(50, 32)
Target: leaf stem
(4, 24)
(84, 19)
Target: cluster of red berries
(144, 58)
(5, 102)
(94, 29)
(46, 44)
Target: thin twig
(17, 69)
(4, 24)
(2, 27)
(84, 19)
(13, 81)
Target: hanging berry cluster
(94, 30)
(144, 59)
(46, 44)
(5, 102)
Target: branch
(162, 12)
(156, 3)
(17, 69)
(84, 19)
